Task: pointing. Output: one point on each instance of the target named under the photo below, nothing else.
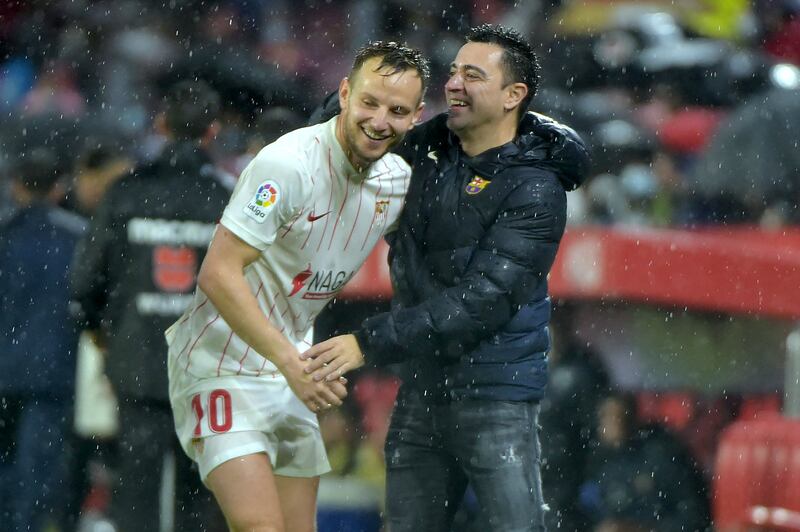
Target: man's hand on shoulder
(332, 358)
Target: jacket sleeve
(89, 270)
(510, 264)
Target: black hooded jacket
(136, 269)
(470, 259)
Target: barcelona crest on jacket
(476, 185)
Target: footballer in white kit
(315, 219)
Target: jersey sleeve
(270, 192)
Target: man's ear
(418, 115)
(344, 93)
(516, 92)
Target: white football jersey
(315, 220)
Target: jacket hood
(550, 144)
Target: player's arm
(222, 279)
(508, 267)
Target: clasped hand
(331, 359)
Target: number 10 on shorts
(218, 407)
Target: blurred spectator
(577, 383)
(54, 93)
(640, 478)
(134, 275)
(271, 124)
(720, 19)
(752, 165)
(95, 426)
(38, 340)
(97, 168)
(781, 29)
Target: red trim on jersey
(389, 205)
(189, 354)
(184, 320)
(246, 351)
(224, 350)
(293, 221)
(180, 354)
(272, 308)
(258, 374)
(241, 360)
(377, 195)
(330, 199)
(312, 175)
(311, 230)
(339, 215)
(358, 211)
(294, 316)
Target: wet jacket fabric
(38, 337)
(470, 259)
(136, 270)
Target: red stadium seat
(757, 476)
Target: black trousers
(32, 464)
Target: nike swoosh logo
(432, 155)
(312, 218)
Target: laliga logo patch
(267, 194)
(265, 198)
(476, 185)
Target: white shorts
(203, 409)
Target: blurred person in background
(133, 276)
(483, 219)
(38, 341)
(96, 168)
(577, 382)
(303, 218)
(90, 453)
(640, 478)
(271, 124)
(780, 29)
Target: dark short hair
(38, 170)
(98, 153)
(190, 108)
(520, 62)
(395, 57)
(275, 122)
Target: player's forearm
(226, 287)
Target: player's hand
(333, 358)
(315, 395)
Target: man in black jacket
(484, 215)
(133, 275)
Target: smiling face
(378, 108)
(477, 93)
